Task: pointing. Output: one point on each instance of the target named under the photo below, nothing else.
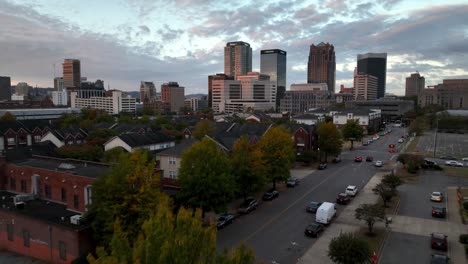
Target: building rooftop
(138, 140)
(179, 148)
(37, 209)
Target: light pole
(435, 138)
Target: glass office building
(273, 63)
(374, 64)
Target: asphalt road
(275, 230)
(400, 245)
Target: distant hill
(199, 95)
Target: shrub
(465, 205)
(412, 167)
(463, 239)
(466, 249)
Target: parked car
(358, 159)
(448, 158)
(351, 190)
(224, 220)
(325, 213)
(375, 138)
(453, 163)
(379, 163)
(270, 195)
(248, 205)
(430, 163)
(465, 159)
(400, 140)
(437, 196)
(439, 241)
(313, 230)
(439, 259)
(313, 206)
(322, 166)
(337, 159)
(292, 182)
(343, 198)
(369, 158)
(438, 211)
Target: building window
(37, 138)
(88, 195)
(76, 201)
(172, 160)
(172, 175)
(11, 141)
(24, 186)
(22, 140)
(64, 194)
(10, 232)
(26, 238)
(63, 250)
(47, 191)
(13, 184)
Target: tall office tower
(321, 67)
(237, 58)
(273, 63)
(174, 95)
(211, 78)
(71, 74)
(414, 84)
(5, 88)
(58, 84)
(365, 86)
(374, 64)
(147, 91)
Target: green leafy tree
(277, 151)
(386, 193)
(202, 128)
(370, 213)
(104, 117)
(352, 131)
(81, 152)
(147, 111)
(100, 136)
(349, 249)
(113, 155)
(205, 177)
(392, 181)
(329, 139)
(247, 167)
(68, 120)
(7, 117)
(418, 126)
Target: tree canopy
(7, 117)
(352, 131)
(329, 139)
(370, 213)
(202, 128)
(349, 249)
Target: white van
(325, 213)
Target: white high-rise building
(365, 86)
(60, 97)
(113, 102)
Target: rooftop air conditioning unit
(75, 219)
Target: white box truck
(325, 213)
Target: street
(275, 230)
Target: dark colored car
(358, 159)
(448, 158)
(337, 159)
(439, 259)
(313, 206)
(292, 182)
(313, 230)
(369, 158)
(438, 211)
(343, 198)
(224, 220)
(248, 205)
(270, 195)
(439, 241)
(322, 166)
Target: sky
(124, 42)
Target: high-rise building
(300, 101)
(22, 88)
(174, 95)
(5, 88)
(71, 74)
(374, 64)
(273, 63)
(147, 91)
(211, 78)
(414, 84)
(58, 84)
(309, 87)
(365, 86)
(321, 67)
(113, 102)
(237, 58)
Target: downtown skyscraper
(374, 64)
(71, 74)
(321, 67)
(273, 63)
(237, 58)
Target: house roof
(307, 116)
(138, 140)
(356, 111)
(228, 137)
(294, 127)
(104, 125)
(33, 123)
(179, 148)
(46, 149)
(63, 133)
(13, 125)
(131, 128)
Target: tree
(370, 213)
(247, 167)
(349, 249)
(147, 111)
(81, 152)
(392, 181)
(418, 126)
(385, 192)
(129, 192)
(205, 177)
(277, 151)
(202, 128)
(329, 139)
(352, 131)
(100, 136)
(7, 117)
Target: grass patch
(456, 171)
(376, 240)
(407, 177)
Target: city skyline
(128, 43)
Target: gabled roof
(104, 125)
(33, 123)
(294, 127)
(13, 125)
(63, 133)
(307, 116)
(130, 128)
(138, 140)
(228, 137)
(179, 148)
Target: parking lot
(406, 248)
(448, 144)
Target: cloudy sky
(125, 41)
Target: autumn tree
(352, 131)
(205, 177)
(202, 128)
(7, 117)
(349, 249)
(392, 181)
(247, 167)
(385, 192)
(277, 151)
(370, 213)
(329, 139)
(418, 126)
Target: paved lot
(448, 144)
(276, 229)
(406, 248)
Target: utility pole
(435, 140)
